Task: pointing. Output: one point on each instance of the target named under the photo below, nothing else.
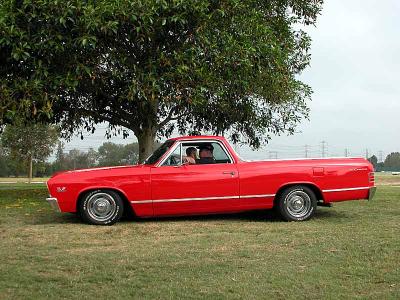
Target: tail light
(371, 177)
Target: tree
(374, 161)
(111, 154)
(4, 165)
(77, 159)
(33, 143)
(154, 66)
(60, 157)
(392, 161)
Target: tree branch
(169, 117)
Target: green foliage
(26, 144)
(36, 141)
(374, 161)
(155, 66)
(392, 162)
(110, 154)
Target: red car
(216, 181)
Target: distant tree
(4, 162)
(111, 154)
(60, 157)
(43, 169)
(131, 153)
(374, 161)
(92, 157)
(392, 162)
(154, 66)
(77, 159)
(380, 166)
(28, 144)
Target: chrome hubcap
(298, 204)
(101, 206)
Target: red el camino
(216, 180)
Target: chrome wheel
(298, 204)
(101, 206)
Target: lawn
(5, 180)
(348, 251)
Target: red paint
(214, 188)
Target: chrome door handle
(229, 172)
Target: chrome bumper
(371, 193)
(53, 203)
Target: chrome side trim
(143, 201)
(308, 158)
(258, 196)
(203, 199)
(347, 189)
(53, 203)
(186, 199)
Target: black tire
(297, 203)
(101, 207)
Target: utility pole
(306, 149)
(380, 156)
(346, 152)
(366, 153)
(273, 154)
(323, 148)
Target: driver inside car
(191, 155)
(206, 154)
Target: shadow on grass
(251, 216)
(56, 218)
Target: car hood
(94, 170)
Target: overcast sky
(354, 73)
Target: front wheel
(297, 203)
(101, 207)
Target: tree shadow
(269, 216)
(330, 213)
(55, 218)
(250, 216)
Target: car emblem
(61, 189)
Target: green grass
(348, 251)
(22, 179)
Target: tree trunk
(146, 142)
(30, 169)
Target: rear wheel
(297, 203)
(101, 207)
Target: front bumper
(371, 193)
(53, 203)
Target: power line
(380, 156)
(306, 149)
(273, 154)
(324, 146)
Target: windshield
(158, 153)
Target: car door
(193, 189)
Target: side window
(220, 155)
(175, 158)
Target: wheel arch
(127, 206)
(317, 191)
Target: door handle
(229, 172)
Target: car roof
(197, 137)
